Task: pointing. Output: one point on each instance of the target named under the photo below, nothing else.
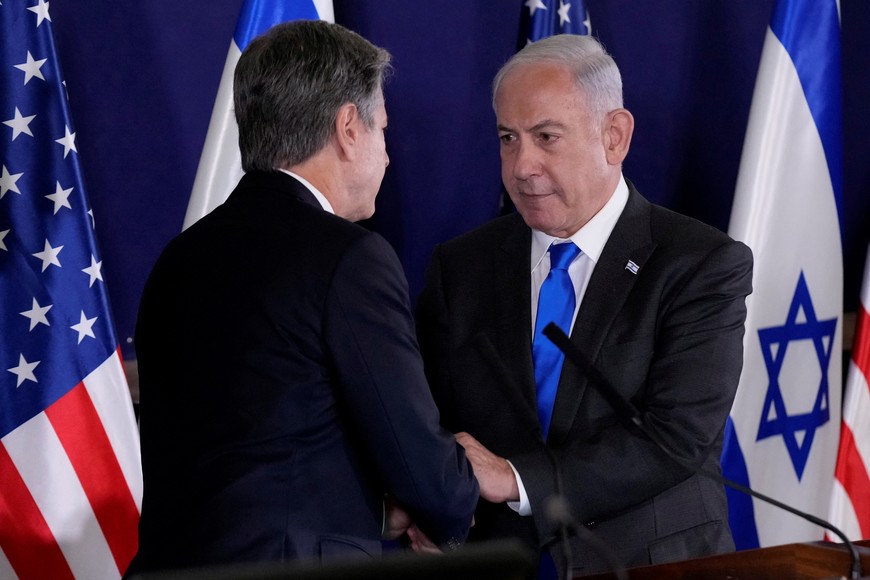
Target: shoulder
(507, 232)
(489, 232)
(670, 227)
(681, 235)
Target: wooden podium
(809, 561)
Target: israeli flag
(782, 435)
(220, 166)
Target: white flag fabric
(782, 435)
(220, 166)
(850, 504)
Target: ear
(618, 130)
(347, 129)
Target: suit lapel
(608, 289)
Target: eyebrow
(545, 124)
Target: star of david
(775, 419)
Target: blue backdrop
(142, 78)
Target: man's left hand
(396, 519)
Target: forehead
(538, 89)
(380, 111)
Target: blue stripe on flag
(258, 16)
(809, 30)
(741, 512)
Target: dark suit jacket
(668, 337)
(282, 391)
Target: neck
(323, 174)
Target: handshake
(497, 484)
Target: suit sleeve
(370, 336)
(686, 394)
(433, 331)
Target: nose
(525, 161)
(386, 159)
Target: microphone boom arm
(629, 411)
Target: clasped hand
(399, 522)
(494, 474)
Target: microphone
(556, 507)
(557, 510)
(624, 408)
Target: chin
(363, 214)
(537, 220)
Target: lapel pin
(631, 267)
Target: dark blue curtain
(142, 79)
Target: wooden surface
(809, 561)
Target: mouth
(534, 195)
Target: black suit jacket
(282, 391)
(669, 337)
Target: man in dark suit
(655, 299)
(282, 390)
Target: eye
(506, 138)
(547, 138)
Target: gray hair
(290, 83)
(594, 71)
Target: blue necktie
(555, 304)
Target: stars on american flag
(37, 314)
(85, 327)
(52, 308)
(549, 17)
(94, 271)
(533, 5)
(41, 11)
(49, 256)
(20, 124)
(32, 68)
(563, 13)
(24, 370)
(8, 181)
(60, 197)
(68, 141)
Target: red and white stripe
(71, 484)
(850, 505)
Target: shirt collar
(324, 203)
(592, 237)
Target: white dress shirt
(591, 239)
(320, 197)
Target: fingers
(493, 473)
(420, 543)
(396, 521)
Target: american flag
(850, 504)
(543, 18)
(70, 473)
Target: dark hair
(289, 84)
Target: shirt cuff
(522, 507)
